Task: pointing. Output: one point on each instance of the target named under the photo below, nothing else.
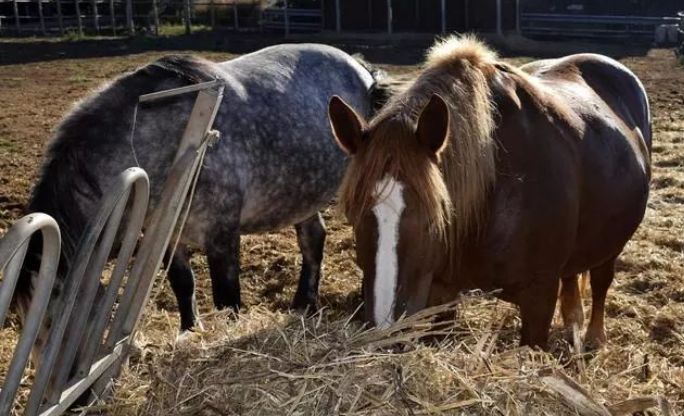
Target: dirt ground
(39, 82)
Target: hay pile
(270, 363)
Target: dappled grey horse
(275, 165)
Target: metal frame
(13, 248)
(77, 356)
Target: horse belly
(613, 205)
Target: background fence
(660, 29)
(115, 17)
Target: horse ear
(347, 125)
(433, 125)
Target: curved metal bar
(9, 283)
(90, 283)
(67, 301)
(15, 242)
(92, 342)
(154, 242)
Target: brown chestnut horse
(483, 175)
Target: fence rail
(591, 26)
(303, 20)
(104, 17)
(88, 340)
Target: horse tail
(383, 86)
(67, 181)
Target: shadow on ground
(397, 49)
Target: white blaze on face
(390, 205)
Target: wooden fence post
(78, 18)
(112, 16)
(42, 17)
(96, 18)
(236, 19)
(389, 17)
(212, 15)
(60, 21)
(338, 17)
(443, 7)
(16, 15)
(186, 8)
(155, 11)
(286, 16)
(499, 29)
(129, 17)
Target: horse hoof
(595, 341)
(185, 337)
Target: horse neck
(468, 163)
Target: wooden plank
(499, 30)
(42, 18)
(633, 406)
(96, 17)
(155, 11)
(186, 13)
(212, 13)
(573, 395)
(286, 18)
(112, 17)
(77, 6)
(129, 17)
(443, 10)
(338, 17)
(60, 20)
(17, 24)
(236, 20)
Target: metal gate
(88, 341)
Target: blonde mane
(452, 194)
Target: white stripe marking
(389, 193)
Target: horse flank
(452, 192)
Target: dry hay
(273, 363)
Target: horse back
(613, 83)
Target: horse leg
(311, 239)
(601, 279)
(571, 303)
(182, 282)
(223, 256)
(537, 305)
